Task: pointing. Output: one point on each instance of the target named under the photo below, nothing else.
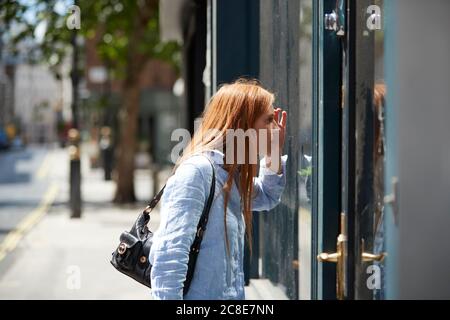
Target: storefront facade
(339, 68)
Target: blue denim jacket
(216, 277)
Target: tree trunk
(128, 116)
(127, 145)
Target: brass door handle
(333, 257)
(328, 257)
(368, 257)
(338, 258)
(373, 257)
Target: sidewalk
(63, 258)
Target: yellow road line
(12, 239)
(42, 172)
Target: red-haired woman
(240, 109)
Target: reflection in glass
(378, 152)
(305, 142)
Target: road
(24, 183)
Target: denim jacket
(216, 277)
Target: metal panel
(328, 157)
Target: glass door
(364, 144)
(326, 156)
(391, 229)
(357, 251)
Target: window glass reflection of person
(378, 154)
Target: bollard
(75, 173)
(106, 148)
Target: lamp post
(74, 136)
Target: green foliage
(117, 20)
(114, 20)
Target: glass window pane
(305, 136)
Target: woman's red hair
(234, 106)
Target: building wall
(420, 97)
(38, 96)
(6, 97)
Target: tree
(130, 38)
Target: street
(23, 182)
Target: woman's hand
(279, 125)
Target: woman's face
(263, 126)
